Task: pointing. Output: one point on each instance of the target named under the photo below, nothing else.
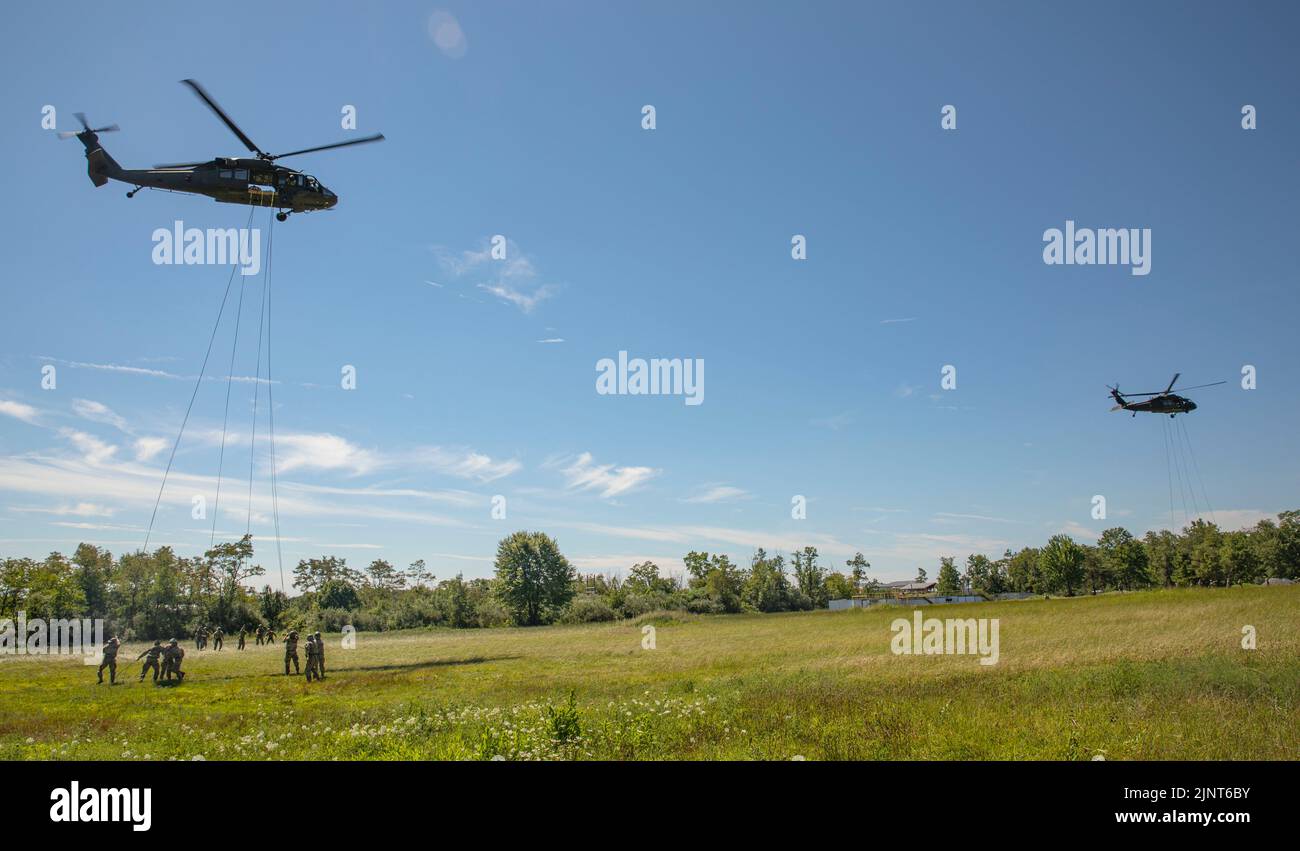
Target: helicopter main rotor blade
(1199, 386)
(1173, 381)
(378, 137)
(212, 104)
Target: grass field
(1152, 675)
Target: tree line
(161, 594)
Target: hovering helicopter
(1163, 402)
(258, 182)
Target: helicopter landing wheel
(131, 194)
(281, 217)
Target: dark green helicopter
(258, 181)
(1161, 402)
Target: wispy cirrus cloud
(609, 480)
(714, 493)
(19, 411)
(97, 412)
(512, 278)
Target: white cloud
(512, 279)
(524, 301)
(94, 450)
(19, 411)
(146, 448)
(323, 452)
(97, 412)
(582, 474)
(466, 464)
(717, 493)
(81, 509)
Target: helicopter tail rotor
(86, 128)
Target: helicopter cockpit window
(241, 174)
(312, 184)
(225, 174)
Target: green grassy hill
(1151, 675)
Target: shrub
(588, 610)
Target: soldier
(320, 657)
(243, 633)
(270, 635)
(291, 652)
(311, 657)
(152, 654)
(261, 633)
(109, 661)
(172, 658)
(216, 638)
(198, 638)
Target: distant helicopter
(231, 180)
(1163, 402)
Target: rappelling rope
(270, 403)
(225, 415)
(1169, 470)
(197, 383)
(1187, 438)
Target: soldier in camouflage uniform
(311, 658)
(216, 638)
(109, 661)
(270, 635)
(243, 633)
(320, 657)
(199, 635)
(172, 658)
(151, 656)
(261, 633)
(291, 652)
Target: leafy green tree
(949, 581)
(920, 574)
(338, 594)
(984, 576)
(272, 605)
(1062, 564)
(1163, 555)
(1239, 560)
(1024, 572)
(1126, 558)
(810, 576)
(858, 567)
(838, 587)
(311, 574)
(766, 588)
(534, 581)
(382, 576)
(1096, 569)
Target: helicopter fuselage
(229, 180)
(1168, 403)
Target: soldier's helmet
(157, 643)
(318, 636)
(293, 633)
(173, 641)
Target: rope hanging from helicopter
(198, 382)
(264, 324)
(1181, 465)
(264, 321)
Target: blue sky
(822, 375)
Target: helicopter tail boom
(100, 166)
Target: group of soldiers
(315, 655)
(172, 654)
(204, 634)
